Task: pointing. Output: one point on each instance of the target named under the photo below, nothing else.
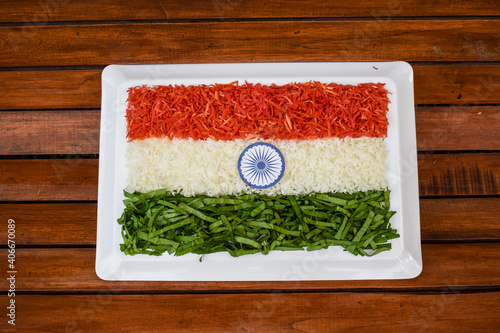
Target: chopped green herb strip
(160, 221)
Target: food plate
(403, 261)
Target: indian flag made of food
(249, 168)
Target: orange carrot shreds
(231, 111)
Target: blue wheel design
(261, 165)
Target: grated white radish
(210, 167)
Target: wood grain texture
(87, 10)
(459, 219)
(49, 132)
(56, 179)
(74, 224)
(459, 174)
(76, 89)
(50, 179)
(277, 312)
(457, 84)
(457, 266)
(458, 128)
(143, 43)
(49, 224)
(77, 131)
(61, 89)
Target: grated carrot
(231, 111)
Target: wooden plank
(449, 128)
(456, 84)
(62, 89)
(66, 179)
(275, 312)
(48, 179)
(143, 43)
(48, 224)
(458, 174)
(457, 266)
(79, 89)
(49, 132)
(459, 219)
(28, 11)
(458, 128)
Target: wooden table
(51, 57)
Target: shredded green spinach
(160, 221)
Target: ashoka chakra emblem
(261, 165)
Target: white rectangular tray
(403, 261)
